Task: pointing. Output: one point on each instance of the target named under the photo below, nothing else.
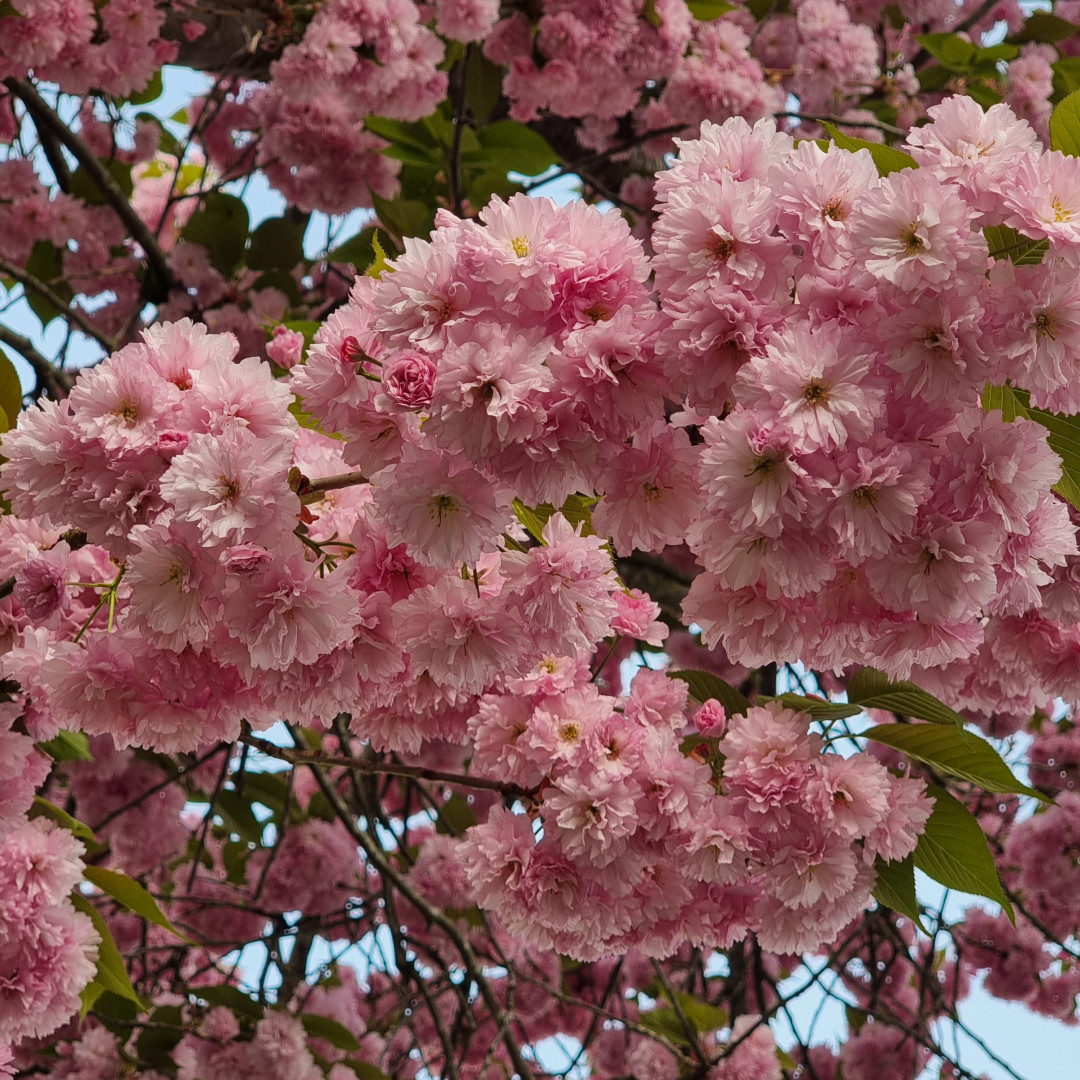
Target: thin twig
(74, 314)
(392, 768)
(434, 915)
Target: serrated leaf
(895, 888)
(1006, 243)
(403, 217)
(221, 226)
(43, 808)
(1065, 125)
(130, 894)
(954, 852)
(232, 998)
(111, 973)
(357, 250)
(276, 244)
(532, 519)
(950, 50)
(886, 158)
(380, 264)
(10, 391)
(1046, 27)
(708, 10)
(323, 1027)
(483, 84)
(455, 816)
(68, 746)
(1063, 433)
(952, 750)
(705, 685)
(306, 420)
(238, 816)
(365, 1070)
(517, 147)
(818, 708)
(872, 689)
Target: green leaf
(703, 1016)
(237, 815)
(322, 1027)
(129, 893)
(306, 420)
(455, 816)
(887, 159)
(151, 92)
(533, 520)
(1063, 437)
(164, 1029)
(818, 708)
(1006, 243)
(871, 689)
(1046, 27)
(483, 84)
(705, 685)
(83, 187)
(365, 1070)
(232, 998)
(43, 808)
(664, 1021)
(277, 244)
(517, 147)
(221, 226)
(952, 750)
(10, 391)
(895, 888)
(68, 746)
(268, 788)
(403, 217)
(707, 10)
(1066, 77)
(578, 511)
(357, 250)
(111, 973)
(308, 327)
(951, 50)
(651, 15)
(954, 852)
(1065, 125)
(380, 264)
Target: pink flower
(441, 509)
(408, 378)
(232, 487)
(285, 347)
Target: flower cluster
(47, 948)
(636, 846)
(859, 504)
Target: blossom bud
(408, 379)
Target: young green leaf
(335, 1033)
(43, 808)
(954, 852)
(953, 750)
(68, 746)
(871, 689)
(895, 888)
(1065, 125)
(111, 973)
(887, 159)
(129, 893)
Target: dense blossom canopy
(619, 589)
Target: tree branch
(44, 117)
(50, 378)
(391, 768)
